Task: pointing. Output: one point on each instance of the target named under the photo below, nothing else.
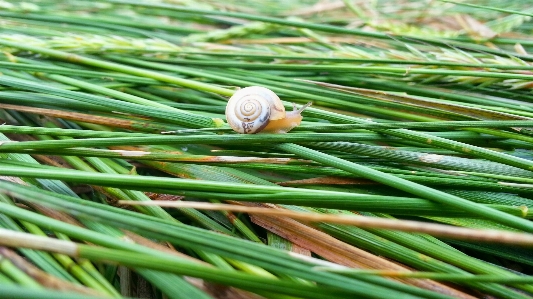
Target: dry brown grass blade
(300, 250)
(51, 160)
(440, 230)
(340, 252)
(80, 117)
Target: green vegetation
(421, 111)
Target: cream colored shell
(250, 109)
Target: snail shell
(257, 109)
(250, 109)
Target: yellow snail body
(257, 109)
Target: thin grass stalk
(91, 270)
(234, 139)
(434, 276)
(16, 292)
(101, 166)
(319, 27)
(413, 258)
(361, 221)
(170, 264)
(113, 93)
(376, 203)
(178, 288)
(351, 69)
(166, 264)
(75, 269)
(84, 118)
(18, 129)
(288, 266)
(362, 202)
(121, 68)
(42, 260)
(409, 187)
(51, 69)
(323, 58)
(17, 275)
(186, 119)
(133, 52)
(449, 255)
(403, 133)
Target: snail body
(257, 109)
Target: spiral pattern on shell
(250, 109)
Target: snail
(257, 109)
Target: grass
(416, 150)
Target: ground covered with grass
(410, 175)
